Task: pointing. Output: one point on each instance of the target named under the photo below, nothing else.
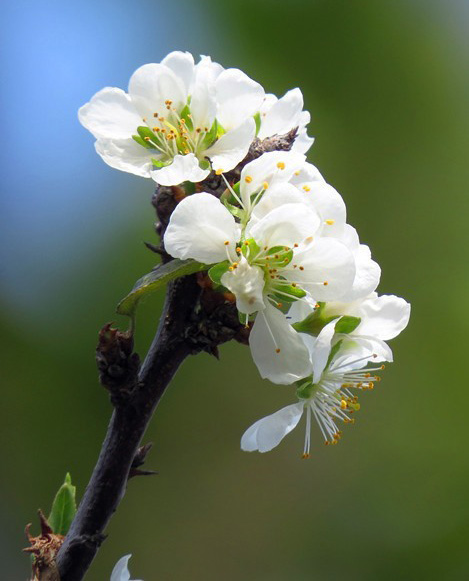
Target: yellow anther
(325, 283)
(277, 350)
(219, 172)
(265, 185)
(297, 173)
(330, 222)
(305, 456)
(293, 284)
(238, 249)
(146, 138)
(279, 305)
(281, 165)
(156, 129)
(144, 119)
(317, 305)
(155, 115)
(309, 239)
(230, 268)
(226, 242)
(343, 404)
(295, 245)
(248, 179)
(306, 188)
(301, 267)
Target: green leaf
(216, 272)
(280, 256)
(154, 280)
(159, 163)
(63, 508)
(238, 212)
(347, 324)
(250, 248)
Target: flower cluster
(276, 241)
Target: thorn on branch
(118, 365)
(139, 460)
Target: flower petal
(238, 98)
(321, 350)
(286, 225)
(383, 317)
(199, 227)
(182, 65)
(283, 115)
(367, 275)
(151, 86)
(121, 571)
(271, 167)
(328, 268)
(308, 173)
(268, 432)
(110, 114)
(126, 155)
(184, 168)
(247, 283)
(275, 197)
(232, 147)
(277, 349)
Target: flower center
(175, 134)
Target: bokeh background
(388, 86)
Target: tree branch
(194, 319)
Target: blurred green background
(387, 84)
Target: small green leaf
(250, 248)
(280, 256)
(63, 508)
(146, 132)
(289, 293)
(238, 212)
(347, 324)
(154, 280)
(216, 272)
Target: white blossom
(279, 116)
(266, 263)
(325, 396)
(175, 115)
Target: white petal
(121, 571)
(246, 282)
(383, 317)
(358, 346)
(126, 155)
(208, 69)
(238, 98)
(322, 349)
(232, 147)
(330, 206)
(203, 104)
(151, 86)
(325, 260)
(302, 142)
(199, 227)
(367, 275)
(184, 168)
(308, 173)
(283, 115)
(275, 197)
(286, 225)
(110, 114)
(266, 169)
(277, 349)
(268, 432)
(182, 65)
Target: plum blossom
(266, 263)
(176, 116)
(325, 395)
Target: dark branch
(194, 319)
